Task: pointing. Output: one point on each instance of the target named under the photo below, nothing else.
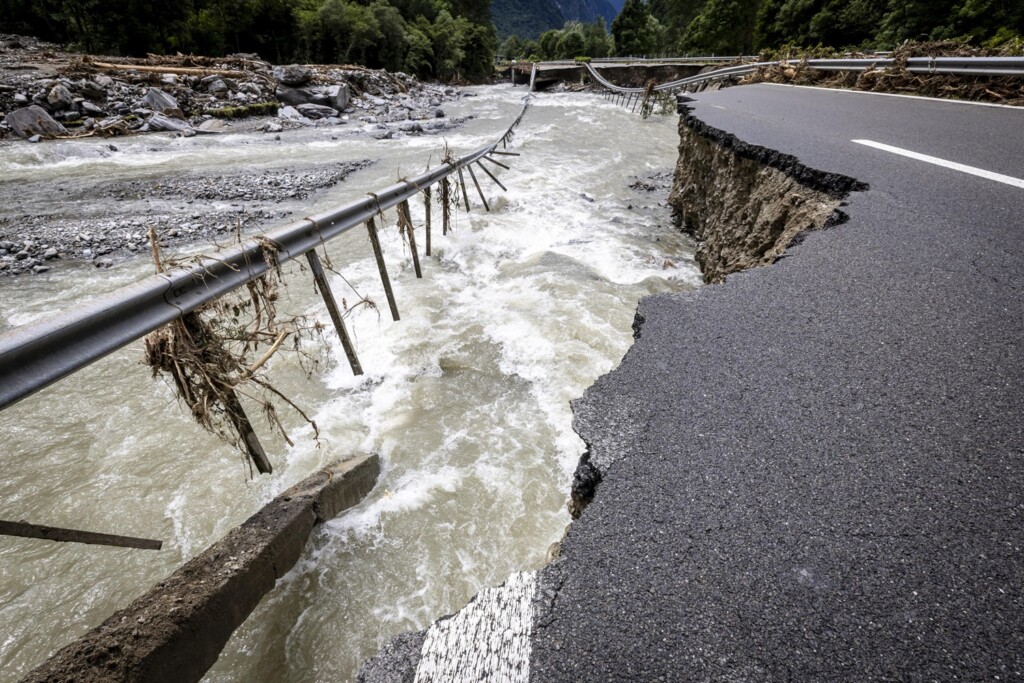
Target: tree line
(433, 39)
(455, 39)
(744, 27)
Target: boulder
(294, 96)
(213, 126)
(60, 97)
(33, 120)
(289, 113)
(91, 109)
(92, 89)
(316, 111)
(161, 122)
(159, 101)
(217, 86)
(338, 96)
(293, 74)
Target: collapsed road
(814, 471)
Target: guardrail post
(332, 307)
(445, 208)
(491, 175)
(462, 182)
(371, 226)
(405, 221)
(478, 190)
(236, 414)
(426, 208)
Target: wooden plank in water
(51, 533)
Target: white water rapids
(466, 399)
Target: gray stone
(90, 108)
(338, 96)
(60, 97)
(40, 269)
(289, 113)
(271, 127)
(161, 122)
(293, 74)
(316, 111)
(213, 126)
(293, 96)
(159, 101)
(50, 253)
(20, 98)
(92, 89)
(103, 81)
(33, 120)
(35, 138)
(217, 86)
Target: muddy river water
(466, 399)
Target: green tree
(723, 27)
(571, 43)
(511, 48)
(548, 44)
(596, 41)
(632, 30)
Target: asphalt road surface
(815, 471)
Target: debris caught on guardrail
(210, 356)
(897, 78)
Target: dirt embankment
(746, 204)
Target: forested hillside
(586, 11)
(443, 39)
(456, 39)
(526, 18)
(745, 26)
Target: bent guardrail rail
(962, 66)
(35, 355)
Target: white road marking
(963, 168)
(487, 640)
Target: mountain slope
(588, 10)
(526, 18)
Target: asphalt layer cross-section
(815, 471)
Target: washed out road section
(815, 471)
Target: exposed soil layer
(746, 204)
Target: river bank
(50, 94)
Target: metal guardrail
(964, 66)
(38, 354)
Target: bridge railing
(38, 354)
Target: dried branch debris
(221, 351)
(897, 79)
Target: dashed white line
(963, 168)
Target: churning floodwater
(466, 399)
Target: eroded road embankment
(815, 470)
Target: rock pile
(45, 93)
(195, 208)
